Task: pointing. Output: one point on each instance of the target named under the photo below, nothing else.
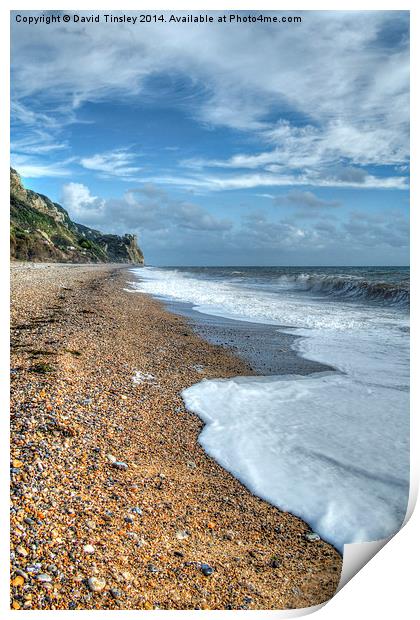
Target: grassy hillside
(41, 230)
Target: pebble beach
(114, 503)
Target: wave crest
(353, 288)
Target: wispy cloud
(212, 182)
(118, 163)
(330, 93)
(304, 199)
(336, 154)
(32, 168)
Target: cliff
(41, 230)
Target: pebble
(44, 578)
(137, 510)
(89, 549)
(21, 573)
(120, 465)
(115, 592)
(128, 520)
(96, 584)
(111, 458)
(21, 551)
(312, 536)
(181, 534)
(206, 570)
(275, 562)
(18, 581)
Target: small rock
(44, 578)
(115, 592)
(229, 535)
(312, 536)
(181, 534)
(89, 549)
(96, 584)
(152, 568)
(128, 520)
(206, 570)
(111, 458)
(275, 562)
(191, 465)
(137, 510)
(18, 581)
(21, 551)
(120, 465)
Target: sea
(327, 439)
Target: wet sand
(115, 505)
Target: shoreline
(79, 340)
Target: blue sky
(223, 143)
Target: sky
(223, 143)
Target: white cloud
(173, 231)
(322, 153)
(335, 75)
(80, 203)
(145, 208)
(212, 182)
(112, 163)
(32, 168)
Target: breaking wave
(352, 287)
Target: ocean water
(332, 448)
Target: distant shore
(115, 505)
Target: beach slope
(114, 502)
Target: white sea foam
(331, 448)
(143, 377)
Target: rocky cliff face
(41, 230)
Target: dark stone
(206, 570)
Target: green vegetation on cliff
(41, 230)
